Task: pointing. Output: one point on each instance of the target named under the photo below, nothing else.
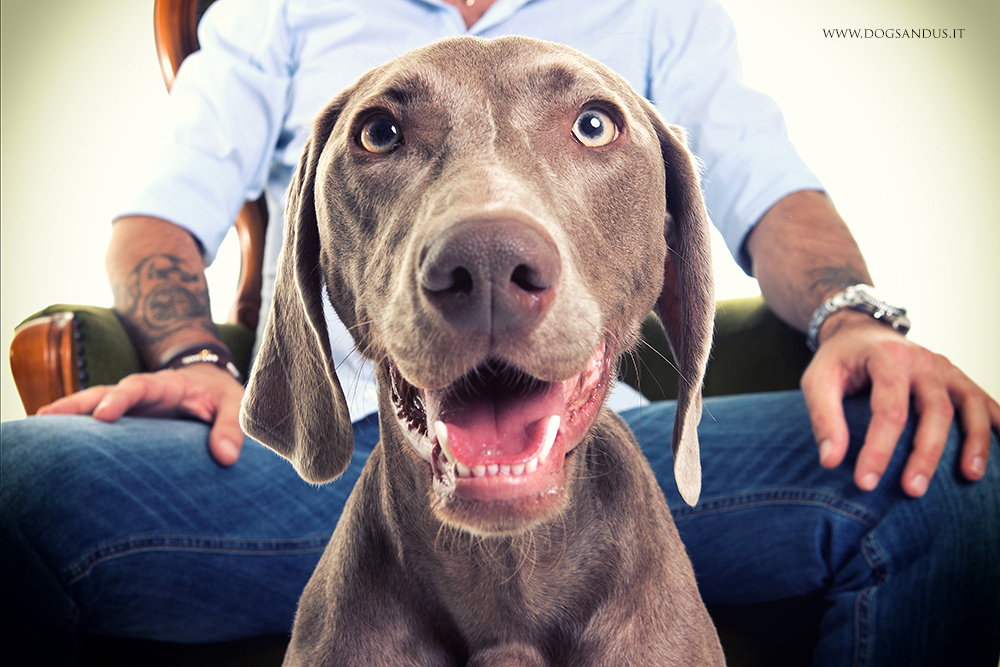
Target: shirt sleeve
(738, 133)
(224, 118)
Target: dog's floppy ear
(686, 306)
(294, 403)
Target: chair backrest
(175, 27)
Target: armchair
(65, 348)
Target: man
(122, 525)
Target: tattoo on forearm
(159, 297)
(829, 279)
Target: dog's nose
(490, 276)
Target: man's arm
(802, 253)
(160, 293)
(158, 280)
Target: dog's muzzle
(490, 276)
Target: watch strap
(861, 298)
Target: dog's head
(492, 220)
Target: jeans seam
(781, 495)
(879, 564)
(82, 566)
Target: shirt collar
(499, 11)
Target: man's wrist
(858, 303)
(212, 353)
(844, 319)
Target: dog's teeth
(442, 435)
(551, 431)
(494, 469)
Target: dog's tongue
(494, 416)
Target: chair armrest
(65, 348)
(753, 351)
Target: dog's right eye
(380, 135)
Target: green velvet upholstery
(753, 351)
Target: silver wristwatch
(863, 299)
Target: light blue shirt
(241, 108)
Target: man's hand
(802, 253)
(856, 352)
(201, 391)
(161, 296)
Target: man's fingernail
(230, 448)
(825, 449)
(918, 485)
(869, 481)
(978, 466)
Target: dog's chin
(497, 441)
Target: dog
(492, 220)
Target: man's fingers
(896, 370)
(81, 403)
(890, 404)
(225, 442)
(108, 402)
(824, 396)
(936, 412)
(980, 415)
(202, 391)
(142, 394)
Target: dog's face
(491, 220)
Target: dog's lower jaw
(501, 517)
(504, 503)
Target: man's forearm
(802, 253)
(160, 292)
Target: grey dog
(492, 220)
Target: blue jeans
(130, 530)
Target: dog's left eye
(594, 128)
(380, 135)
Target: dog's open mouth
(498, 434)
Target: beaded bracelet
(204, 353)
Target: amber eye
(380, 135)
(595, 128)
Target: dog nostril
(461, 281)
(447, 279)
(528, 279)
